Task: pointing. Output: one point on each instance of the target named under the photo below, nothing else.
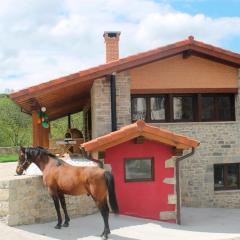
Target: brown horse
(62, 178)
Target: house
(188, 87)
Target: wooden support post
(40, 135)
(45, 137)
(35, 130)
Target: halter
(26, 161)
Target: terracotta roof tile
(89, 75)
(139, 128)
(125, 60)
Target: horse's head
(24, 161)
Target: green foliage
(8, 158)
(15, 126)
(60, 126)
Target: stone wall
(8, 150)
(4, 196)
(101, 107)
(219, 143)
(101, 104)
(25, 201)
(123, 99)
(172, 197)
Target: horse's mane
(40, 151)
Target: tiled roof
(139, 128)
(84, 79)
(190, 42)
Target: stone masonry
(101, 104)
(172, 198)
(219, 143)
(101, 107)
(8, 150)
(24, 200)
(123, 99)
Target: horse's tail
(111, 192)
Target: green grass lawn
(8, 158)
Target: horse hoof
(104, 235)
(57, 226)
(66, 224)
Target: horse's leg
(57, 207)
(105, 214)
(63, 204)
(101, 203)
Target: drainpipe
(69, 121)
(178, 160)
(113, 101)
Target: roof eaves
(136, 129)
(124, 64)
(102, 69)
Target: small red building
(143, 161)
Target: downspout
(69, 121)
(113, 101)
(178, 160)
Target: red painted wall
(142, 199)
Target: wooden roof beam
(64, 110)
(69, 101)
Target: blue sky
(213, 9)
(43, 40)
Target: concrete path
(7, 171)
(198, 224)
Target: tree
(15, 126)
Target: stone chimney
(112, 46)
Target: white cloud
(42, 40)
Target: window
(140, 169)
(226, 176)
(138, 108)
(217, 107)
(184, 107)
(157, 108)
(207, 108)
(149, 108)
(224, 108)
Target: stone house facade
(219, 144)
(219, 139)
(189, 87)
